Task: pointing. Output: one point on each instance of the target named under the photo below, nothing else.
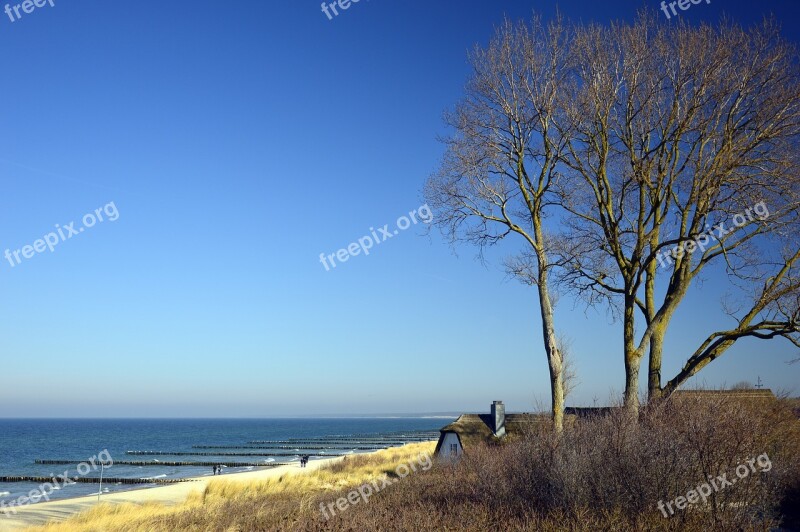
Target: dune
(42, 513)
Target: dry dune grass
(604, 473)
(244, 505)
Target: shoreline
(59, 510)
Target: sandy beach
(41, 513)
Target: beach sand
(41, 513)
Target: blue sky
(237, 142)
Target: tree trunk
(633, 358)
(554, 359)
(695, 364)
(632, 364)
(657, 338)
(654, 369)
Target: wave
(4, 493)
(157, 476)
(269, 460)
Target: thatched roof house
(751, 396)
(759, 402)
(471, 429)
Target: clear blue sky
(238, 141)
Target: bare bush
(607, 473)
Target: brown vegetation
(606, 473)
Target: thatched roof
(475, 428)
(748, 394)
(588, 411)
(794, 404)
(750, 398)
(471, 428)
(518, 423)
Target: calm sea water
(24, 441)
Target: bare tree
(497, 176)
(673, 130)
(569, 373)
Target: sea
(77, 441)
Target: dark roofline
(746, 392)
(441, 440)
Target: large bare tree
(673, 130)
(497, 175)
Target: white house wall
(446, 450)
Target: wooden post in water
(102, 467)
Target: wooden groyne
(187, 453)
(323, 439)
(343, 447)
(94, 480)
(425, 434)
(395, 437)
(174, 464)
(340, 441)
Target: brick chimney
(498, 414)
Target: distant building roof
(794, 404)
(748, 392)
(474, 428)
(590, 411)
(751, 396)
